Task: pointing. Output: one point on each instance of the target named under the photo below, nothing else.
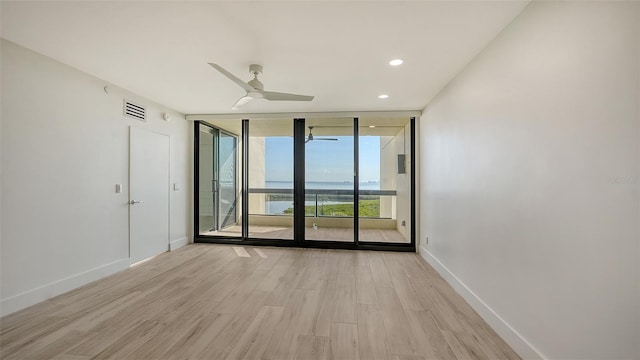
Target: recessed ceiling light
(372, 126)
(383, 96)
(396, 62)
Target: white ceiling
(337, 51)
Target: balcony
(329, 215)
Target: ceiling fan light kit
(255, 88)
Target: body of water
(278, 207)
(369, 185)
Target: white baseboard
(518, 343)
(176, 244)
(42, 293)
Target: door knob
(133, 202)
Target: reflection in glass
(271, 179)
(206, 218)
(329, 175)
(227, 182)
(385, 180)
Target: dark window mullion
(196, 178)
(245, 179)
(215, 174)
(413, 181)
(298, 180)
(356, 183)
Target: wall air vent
(135, 111)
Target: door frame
(196, 161)
(299, 217)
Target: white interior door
(148, 194)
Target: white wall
(64, 147)
(529, 170)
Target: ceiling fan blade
(306, 141)
(328, 139)
(276, 96)
(233, 78)
(243, 100)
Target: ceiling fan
(311, 138)
(255, 88)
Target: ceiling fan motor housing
(256, 70)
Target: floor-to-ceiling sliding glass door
(329, 180)
(385, 186)
(339, 182)
(218, 195)
(270, 176)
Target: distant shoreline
(364, 185)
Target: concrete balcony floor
(321, 233)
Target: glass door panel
(271, 179)
(329, 180)
(206, 196)
(385, 180)
(227, 179)
(218, 193)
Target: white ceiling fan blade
(243, 100)
(276, 96)
(233, 78)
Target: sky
(326, 161)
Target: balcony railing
(323, 202)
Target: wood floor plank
(433, 344)
(461, 351)
(344, 342)
(312, 276)
(18, 337)
(372, 336)
(286, 285)
(312, 348)
(298, 319)
(219, 347)
(444, 312)
(195, 340)
(489, 338)
(175, 326)
(400, 339)
(70, 357)
(253, 341)
(322, 322)
(365, 286)
(42, 349)
(408, 357)
(379, 271)
(345, 309)
(129, 341)
(215, 302)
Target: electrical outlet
(404, 223)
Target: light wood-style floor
(227, 302)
